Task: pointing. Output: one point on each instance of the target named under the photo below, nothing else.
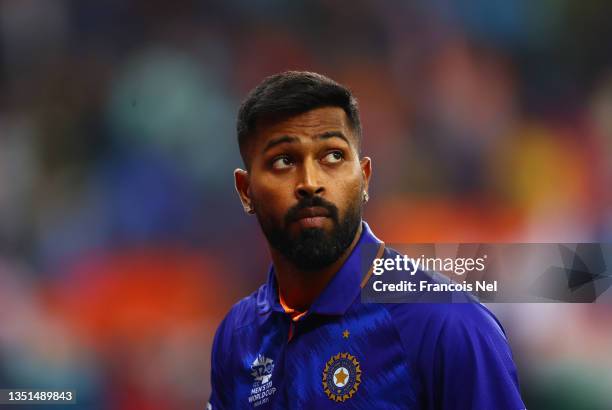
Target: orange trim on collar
(381, 250)
(294, 314)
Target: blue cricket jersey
(345, 354)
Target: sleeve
(472, 363)
(220, 394)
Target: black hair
(290, 93)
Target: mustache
(309, 202)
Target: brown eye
(333, 157)
(282, 162)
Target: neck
(300, 288)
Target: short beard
(313, 249)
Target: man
(305, 340)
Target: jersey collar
(343, 288)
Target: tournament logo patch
(263, 389)
(341, 377)
(262, 369)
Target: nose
(309, 183)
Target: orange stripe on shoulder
(380, 252)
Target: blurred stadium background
(122, 243)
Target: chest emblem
(341, 377)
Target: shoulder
(433, 320)
(449, 342)
(241, 314)
(446, 310)
(428, 331)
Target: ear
(366, 169)
(242, 184)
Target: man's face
(306, 185)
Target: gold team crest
(341, 377)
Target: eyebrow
(280, 140)
(285, 139)
(333, 134)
